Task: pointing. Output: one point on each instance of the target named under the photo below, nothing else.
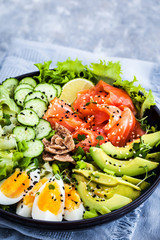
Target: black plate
(153, 119)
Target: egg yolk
(15, 185)
(72, 198)
(30, 196)
(51, 198)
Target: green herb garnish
(51, 187)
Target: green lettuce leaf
(6, 163)
(44, 71)
(6, 100)
(7, 142)
(110, 70)
(148, 102)
(64, 72)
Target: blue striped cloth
(20, 59)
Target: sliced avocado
(132, 167)
(120, 189)
(90, 166)
(103, 178)
(144, 185)
(108, 192)
(127, 152)
(98, 177)
(104, 191)
(101, 205)
(118, 152)
(155, 157)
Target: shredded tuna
(60, 145)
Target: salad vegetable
(74, 141)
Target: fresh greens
(64, 71)
(6, 163)
(141, 149)
(148, 102)
(110, 70)
(6, 100)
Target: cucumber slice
(20, 95)
(10, 84)
(29, 81)
(36, 94)
(28, 117)
(43, 129)
(58, 88)
(24, 85)
(47, 89)
(38, 105)
(35, 148)
(23, 133)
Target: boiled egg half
(13, 188)
(49, 201)
(74, 208)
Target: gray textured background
(118, 28)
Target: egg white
(75, 214)
(47, 215)
(23, 209)
(4, 200)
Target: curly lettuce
(5, 100)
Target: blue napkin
(20, 59)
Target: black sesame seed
(35, 182)
(69, 195)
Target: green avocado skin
(127, 152)
(132, 167)
(106, 205)
(154, 157)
